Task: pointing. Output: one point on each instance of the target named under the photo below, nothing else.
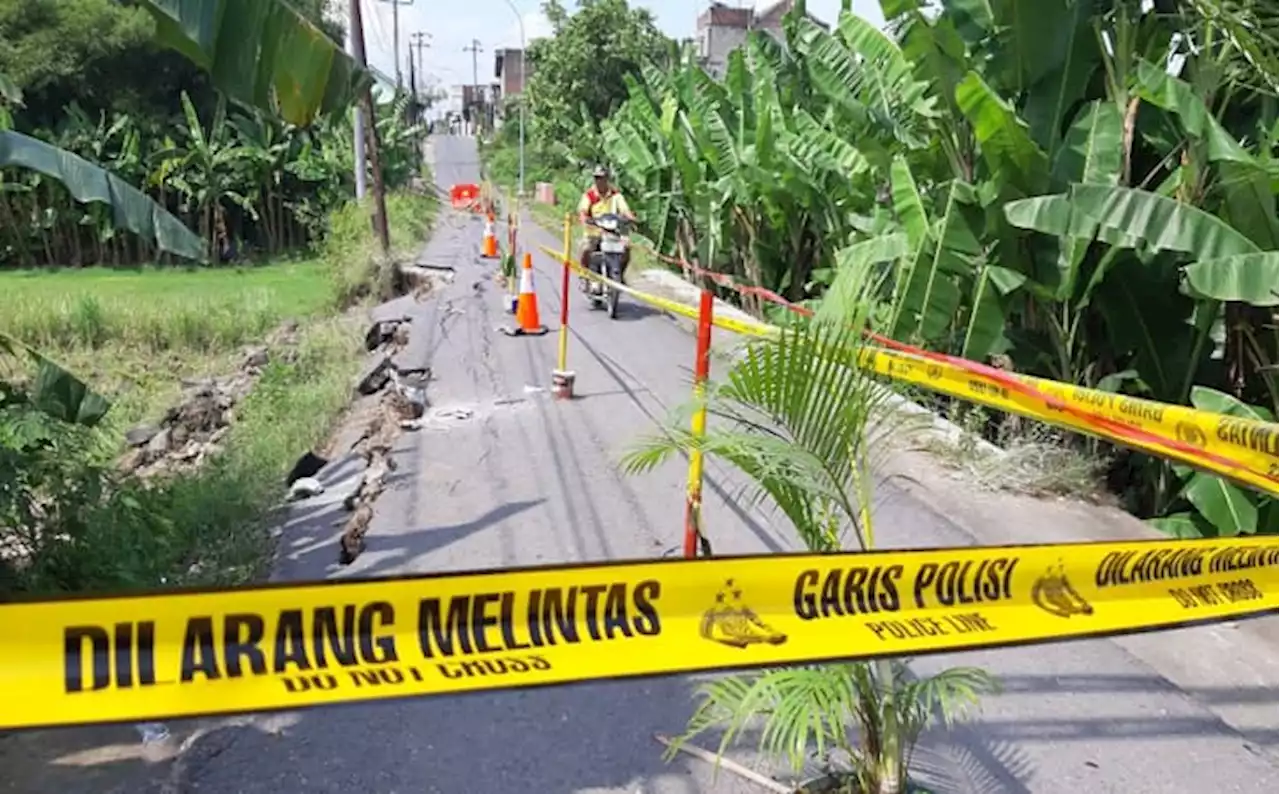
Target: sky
(494, 24)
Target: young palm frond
(799, 708)
(807, 712)
(808, 427)
(802, 420)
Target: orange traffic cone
(527, 322)
(489, 244)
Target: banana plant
(212, 170)
(262, 53)
(87, 183)
(130, 208)
(1193, 217)
(268, 147)
(1089, 187)
(52, 390)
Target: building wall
(718, 43)
(723, 29)
(512, 72)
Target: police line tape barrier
(185, 654)
(958, 382)
(734, 324)
(1242, 450)
(1237, 442)
(1246, 450)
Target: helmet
(600, 171)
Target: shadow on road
(632, 310)
(591, 737)
(568, 737)
(615, 371)
(963, 761)
(388, 553)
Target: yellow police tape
(745, 327)
(184, 654)
(1249, 442)
(1254, 468)
(1250, 445)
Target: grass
(206, 527)
(158, 309)
(356, 268)
(133, 334)
(1029, 458)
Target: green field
(134, 333)
(159, 309)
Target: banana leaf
(1069, 52)
(1248, 278)
(1248, 187)
(1228, 266)
(1228, 508)
(130, 208)
(1158, 87)
(928, 295)
(1217, 402)
(262, 53)
(1091, 153)
(55, 391)
(1130, 218)
(1003, 137)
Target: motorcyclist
(602, 198)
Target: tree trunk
(19, 237)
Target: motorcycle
(607, 261)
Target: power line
(395, 33)
(379, 33)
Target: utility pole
(395, 34)
(418, 44)
(413, 80)
(524, 74)
(358, 121)
(413, 92)
(475, 49)
(375, 161)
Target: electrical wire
(377, 9)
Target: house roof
(721, 15)
(771, 17)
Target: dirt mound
(194, 429)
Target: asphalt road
(503, 475)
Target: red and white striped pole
(698, 426)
